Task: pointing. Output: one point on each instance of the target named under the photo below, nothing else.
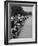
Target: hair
(19, 10)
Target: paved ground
(26, 31)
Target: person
(18, 16)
